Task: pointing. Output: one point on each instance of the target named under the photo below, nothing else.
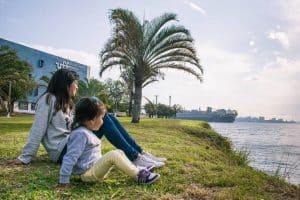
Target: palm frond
(176, 59)
(152, 27)
(166, 33)
(180, 67)
(174, 52)
(113, 63)
(179, 45)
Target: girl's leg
(125, 134)
(115, 137)
(102, 167)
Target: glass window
(33, 106)
(23, 105)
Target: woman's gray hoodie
(50, 127)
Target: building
(43, 64)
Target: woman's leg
(125, 134)
(115, 137)
(102, 167)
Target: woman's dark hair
(59, 86)
(87, 108)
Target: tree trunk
(137, 101)
(130, 103)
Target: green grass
(201, 165)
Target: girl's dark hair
(59, 86)
(87, 108)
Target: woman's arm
(42, 118)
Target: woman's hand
(62, 186)
(14, 162)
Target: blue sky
(250, 50)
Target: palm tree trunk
(137, 101)
(130, 103)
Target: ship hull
(209, 118)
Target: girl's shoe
(146, 177)
(152, 157)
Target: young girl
(83, 155)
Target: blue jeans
(118, 136)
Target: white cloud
(277, 26)
(282, 37)
(277, 88)
(196, 7)
(251, 43)
(254, 50)
(290, 14)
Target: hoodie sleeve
(43, 112)
(76, 145)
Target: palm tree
(144, 49)
(92, 87)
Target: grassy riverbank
(201, 165)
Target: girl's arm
(76, 145)
(43, 112)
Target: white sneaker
(140, 161)
(146, 162)
(156, 163)
(152, 157)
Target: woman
(53, 119)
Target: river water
(273, 147)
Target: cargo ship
(220, 115)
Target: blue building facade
(43, 64)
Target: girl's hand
(14, 162)
(62, 186)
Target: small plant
(241, 157)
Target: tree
(18, 73)
(177, 108)
(150, 108)
(92, 87)
(46, 79)
(162, 110)
(145, 49)
(116, 91)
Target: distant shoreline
(266, 122)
